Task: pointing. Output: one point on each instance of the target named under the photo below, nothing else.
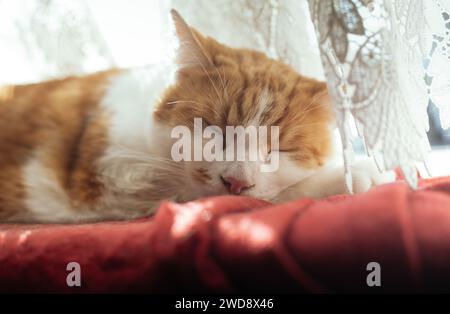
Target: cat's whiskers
(310, 107)
(212, 108)
(212, 83)
(222, 81)
(202, 66)
(315, 99)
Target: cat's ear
(190, 51)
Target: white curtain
(42, 39)
(384, 60)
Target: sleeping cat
(99, 147)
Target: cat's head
(239, 87)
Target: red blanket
(238, 244)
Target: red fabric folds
(238, 244)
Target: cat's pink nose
(235, 186)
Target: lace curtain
(385, 61)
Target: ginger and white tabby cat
(98, 147)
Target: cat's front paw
(366, 175)
(331, 181)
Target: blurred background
(44, 39)
(41, 39)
